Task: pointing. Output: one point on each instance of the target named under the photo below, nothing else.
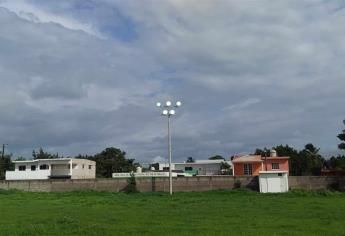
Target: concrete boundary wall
(180, 184)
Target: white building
(198, 167)
(273, 181)
(64, 168)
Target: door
(274, 183)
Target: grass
(237, 212)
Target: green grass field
(238, 212)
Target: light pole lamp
(168, 110)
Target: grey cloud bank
(78, 76)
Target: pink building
(253, 164)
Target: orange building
(252, 164)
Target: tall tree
(341, 136)
(313, 161)
(111, 160)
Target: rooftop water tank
(273, 153)
(139, 169)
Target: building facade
(64, 168)
(252, 164)
(198, 167)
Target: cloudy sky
(81, 75)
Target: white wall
(162, 165)
(56, 168)
(28, 174)
(81, 169)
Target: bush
(132, 185)
(237, 183)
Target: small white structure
(273, 181)
(198, 167)
(63, 168)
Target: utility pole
(3, 151)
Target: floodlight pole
(168, 110)
(170, 169)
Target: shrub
(237, 183)
(132, 185)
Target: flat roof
(198, 162)
(273, 171)
(55, 159)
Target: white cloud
(250, 74)
(32, 13)
(247, 103)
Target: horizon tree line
(307, 161)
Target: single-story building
(62, 168)
(198, 167)
(273, 181)
(253, 164)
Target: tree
(295, 162)
(225, 168)
(5, 164)
(190, 160)
(264, 152)
(312, 159)
(305, 162)
(40, 154)
(131, 186)
(111, 160)
(20, 158)
(216, 157)
(337, 163)
(341, 136)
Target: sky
(78, 76)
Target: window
(275, 166)
(165, 168)
(33, 168)
(247, 169)
(44, 167)
(83, 166)
(280, 174)
(90, 167)
(187, 168)
(22, 168)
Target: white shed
(273, 181)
